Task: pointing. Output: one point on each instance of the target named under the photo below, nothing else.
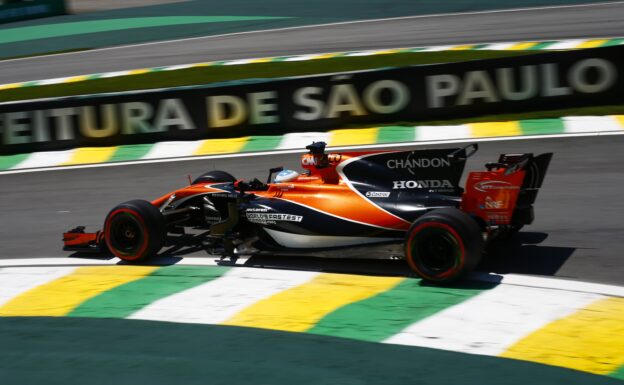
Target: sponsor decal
(377, 194)
(308, 160)
(334, 158)
(488, 185)
(411, 163)
(257, 210)
(426, 183)
(224, 195)
(268, 218)
(493, 204)
(498, 219)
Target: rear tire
(135, 230)
(443, 245)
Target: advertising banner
(315, 103)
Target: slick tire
(134, 230)
(214, 176)
(444, 244)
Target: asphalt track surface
(577, 233)
(606, 20)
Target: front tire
(443, 245)
(134, 230)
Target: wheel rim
(126, 234)
(436, 251)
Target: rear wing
(506, 192)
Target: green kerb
(619, 374)
(130, 152)
(542, 126)
(379, 317)
(393, 134)
(10, 161)
(542, 45)
(612, 42)
(126, 299)
(262, 143)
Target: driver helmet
(286, 176)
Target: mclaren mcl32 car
(386, 204)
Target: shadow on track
(520, 254)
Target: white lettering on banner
(260, 108)
(344, 98)
(304, 97)
(172, 113)
(447, 90)
(413, 184)
(607, 75)
(552, 86)
(88, 126)
(508, 87)
(15, 129)
(229, 110)
(64, 122)
(217, 111)
(96, 122)
(39, 128)
(477, 86)
(400, 96)
(441, 86)
(134, 118)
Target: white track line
(340, 148)
(496, 11)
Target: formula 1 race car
(387, 204)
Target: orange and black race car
(386, 204)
